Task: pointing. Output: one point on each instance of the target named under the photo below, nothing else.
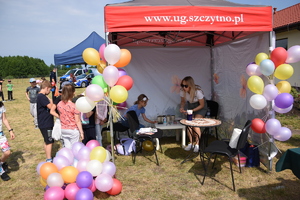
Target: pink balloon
(122, 72)
(92, 187)
(104, 182)
(272, 126)
(122, 105)
(94, 92)
(111, 75)
(109, 168)
(67, 153)
(101, 52)
(253, 69)
(283, 134)
(81, 165)
(54, 193)
(92, 144)
(293, 54)
(71, 191)
(270, 92)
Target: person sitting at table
(194, 96)
(139, 108)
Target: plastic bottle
(165, 120)
(208, 113)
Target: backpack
(126, 146)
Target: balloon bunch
(114, 79)
(277, 65)
(78, 172)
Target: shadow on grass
(13, 160)
(286, 189)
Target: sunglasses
(184, 86)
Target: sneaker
(5, 166)
(49, 160)
(3, 101)
(188, 147)
(196, 148)
(5, 177)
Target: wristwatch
(10, 130)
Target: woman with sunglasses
(194, 96)
(139, 108)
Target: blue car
(82, 80)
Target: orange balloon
(124, 59)
(101, 66)
(47, 169)
(69, 174)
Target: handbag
(56, 132)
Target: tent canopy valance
(183, 23)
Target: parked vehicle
(82, 80)
(77, 72)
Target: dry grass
(144, 180)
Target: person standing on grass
(1, 89)
(45, 119)
(31, 94)
(71, 127)
(4, 143)
(53, 82)
(10, 90)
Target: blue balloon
(267, 67)
(67, 66)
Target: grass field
(144, 180)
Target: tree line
(24, 67)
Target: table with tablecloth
(290, 160)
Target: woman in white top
(193, 95)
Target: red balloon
(279, 56)
(116, 188)
(125, 81)
(258, 125)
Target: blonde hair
(67, 92)
(193, 87)
(46, 84)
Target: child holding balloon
(71, 127)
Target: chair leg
(206, 168)
(157, 162)
(239, 162)
(214, 161)
(231, 174)
(217, 136)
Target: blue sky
(41, 29)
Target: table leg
(183, 138)
(177, 135)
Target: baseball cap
(9, 80)
(32, 80)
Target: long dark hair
(141, 97)
(1, 104)
(67, 93)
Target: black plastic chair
(221, 147)
(134, 126)
(214, 112)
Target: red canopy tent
(213, 41)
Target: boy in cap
(10, 90)
(31, 94)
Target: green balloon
(99, 81)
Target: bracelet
(10, 130)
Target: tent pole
(211, 72)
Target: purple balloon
(122, 105)
(61, 161)
(270, 92)
(84, 194)
(104, 182)
(253, 69)
(284, 100)
(108, 168)
(282, 110)
(67, 153)
(83, 153)
(272, 126)
(122, 72)
(283, 134)
(84, 179)
(81, 165)
(38, 167)
(293, 54)
(76, 147)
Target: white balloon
(94, 167)
(258, 101)
(55, 179)
(108, 156)
(84, 104)
(111, 75)
(112, 54)
(282, 110)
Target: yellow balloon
(284, 87)
(255, 84)
(284, 71)
(43, 182)
(91, 56)
(98, 153)
(118, 94)
(260, 57)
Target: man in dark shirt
(53, 82)
(1, 89)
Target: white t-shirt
(2, 110)
(199, 95)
